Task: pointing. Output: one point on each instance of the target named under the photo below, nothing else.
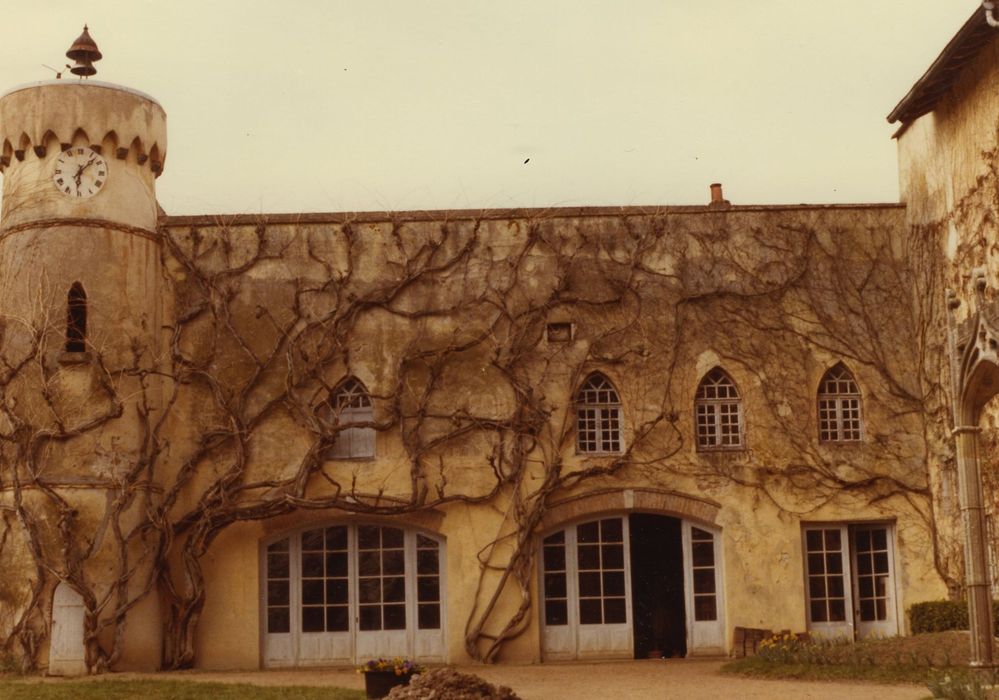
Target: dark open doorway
(657, 586)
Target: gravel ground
(675, 679)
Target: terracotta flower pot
(377, 684)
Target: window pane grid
(381, 578)
(600, 564)
(839, 407)
(703, 567)
(428, 583)
(555, 588)
(598, 417)
(599, 429)
(718, 412)
(351, 394)
(322, 571)
(826, 590)
(872, 573)
(324, 580)
(278, 588)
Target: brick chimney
(717, 200)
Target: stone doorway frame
(690, 510)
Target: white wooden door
(703, 590)
(827, 581)
(558, 636)
(586, 588)
(873, 581)
(603, 587)
(280, 647)
(381, 592)
(322, 596)
(66, 652)
(427, 589)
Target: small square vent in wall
(559, 332)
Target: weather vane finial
(85, 52)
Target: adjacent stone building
(505, 435)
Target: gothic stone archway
(974, 351)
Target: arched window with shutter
(350, 410)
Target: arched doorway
(632, 585)
(338, 593)
(974, 355)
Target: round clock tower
(82, 349)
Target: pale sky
(336, 105)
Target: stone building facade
(507, 435)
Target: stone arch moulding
(431, 520)
(638, 499)
(974, 361)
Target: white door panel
(586, 589)
(605, 641)
(827, 577)
(703, 591)
(873, 584)
(559, 642)
(603, 588)
(279, 649)
(318, 649)
(66, 652)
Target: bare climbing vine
(217, 421)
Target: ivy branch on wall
(448, 320)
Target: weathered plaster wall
(770, 294)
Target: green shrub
(938, 616)
(943, 615)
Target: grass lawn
(110, 689)
(916, 659)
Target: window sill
(74, 358)
(716, 450)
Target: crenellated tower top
(78, 148)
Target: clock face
(80, 172)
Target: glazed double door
(341, 593)
(608, 593)
(850, 575)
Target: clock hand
(78, 178)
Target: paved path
(620, 680)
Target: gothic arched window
(839, 406)
(350, 405)
(598, 416)
(76, 319)
(718, 411)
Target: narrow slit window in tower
(76, 319)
